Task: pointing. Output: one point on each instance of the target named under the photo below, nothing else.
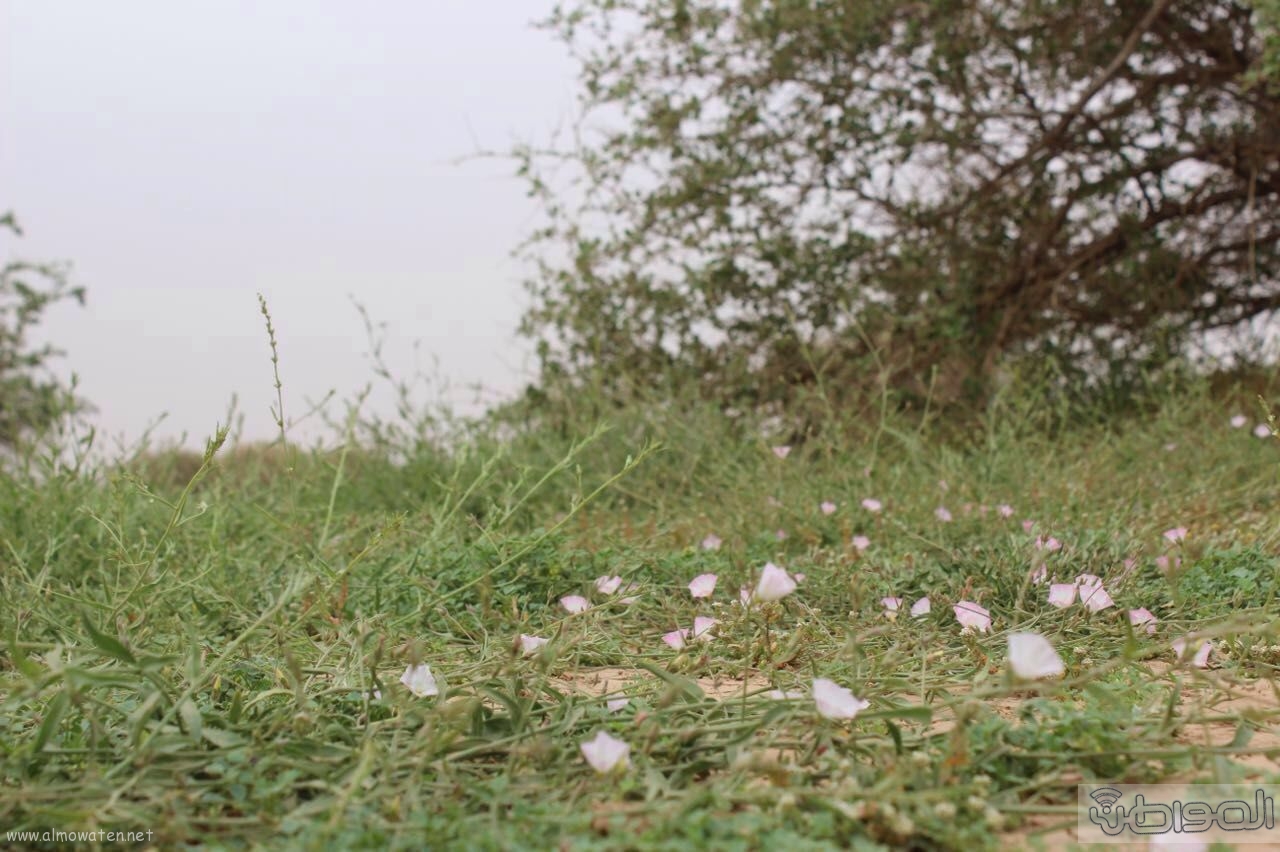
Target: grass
(215, 656)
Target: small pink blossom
(675, 639)
(1005, 510)
(775, 584)
(836, 702)
(616, 704)
(1198, 658)
(872, 505)
(605, 753)
(782, 451)
(1238, 421)
(608, 585)
(711, 542)
(1087, 580)
(942, 514)
(891, 604)
(1050, 544)
(702, 585)
(1039, 574)
(530, 645)
(1028, 526)
(861, 542)
(1262, 430)
(1095, 598)
(799, 576)
(1176, 534)
(828, 507)
(921, 608)
(1031, 656)
(972, 617)
(780, 535)
(1062, 595)
(1141, 616)
(575, 604)
(702, 627)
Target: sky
(185, 157)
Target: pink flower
(891, 604)
(1039, 574)
(799, 576)
(1139, 617)
(605, 753)
(1031, 656)
(828, 507)
(1198, 658)
(1176, 534)
(921, 608)
(782, 451)
(942, 514)
(1088, 580)
(575, 604)
(861, 542)
(872, 505)
(1095, 598)
(420, 681)
(1028, 526)
(775, 584)
(702, 585)
(1005, 510)
(1238, 421)
(836, 702)
(675, 639)
(972, 617)
(530, 645)
(1050, 544)
(608, 585)
(616, 704)
(780, 535)
(702, 626)
(1262, 430)
(711, 542)
(1062, 595)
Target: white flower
(1031, 656)
(605, 753)
(775, 584)
(785, 694)
(420, 681)
(530, 645)
(702, 585)
(836, 702)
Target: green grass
(201, 657)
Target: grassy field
(215, 652)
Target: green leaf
(109, 645)
(53, 714)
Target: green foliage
(209, 635)
(773, 194)
(30, 398)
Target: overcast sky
(185, 156)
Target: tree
(944, 185)
(30, 398)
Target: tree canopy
(943, 186)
